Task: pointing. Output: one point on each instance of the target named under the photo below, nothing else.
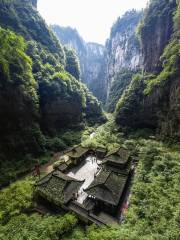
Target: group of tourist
(94, 159)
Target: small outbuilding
(119, 158)
(100, 152)
(76, 154)
(71, 157)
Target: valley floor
(154, 211)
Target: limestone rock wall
(155, 33)
(123, 49)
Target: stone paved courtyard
(85, 171)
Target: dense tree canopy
(72, 63)
(120, 83)
(18, 98)
(39, 99)
(22, 18)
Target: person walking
(37, 169)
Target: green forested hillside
(154, 202)
(120, 83)
(40, 98)
(72, 62)
(19, 121)
(20, 17)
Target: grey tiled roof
(77, 152)
(62, 167)
(108, 187)
(58, 187)
(118, 156)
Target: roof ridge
(65, 177)
(98, 184)
(40, 182)
(107, 177)
(90, 187)
(112, 194)
(106, 182)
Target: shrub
(15, 199)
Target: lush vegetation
(106, 136)
(18, 221)
(170, 58)
(72, 62)
(20, 17)
(154, 203)
(131, 104)
(44, 109)
(18, 99)
(123, 22)
(15, 199)
(37, 228)
(39, 98)
(120, 83)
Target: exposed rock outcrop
(155, 30)
(99, 64)
(95, 70)
(153, 101)
(123, 49)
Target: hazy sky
(92, 18)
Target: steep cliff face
(123, 56)
(156, 29)
(123, 50)
(152, 101)
(34, 2)
(92, 59)
(95, 70)
(99, 64)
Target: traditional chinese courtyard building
(94, 189)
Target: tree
(72, 63)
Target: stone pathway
(47, 168)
